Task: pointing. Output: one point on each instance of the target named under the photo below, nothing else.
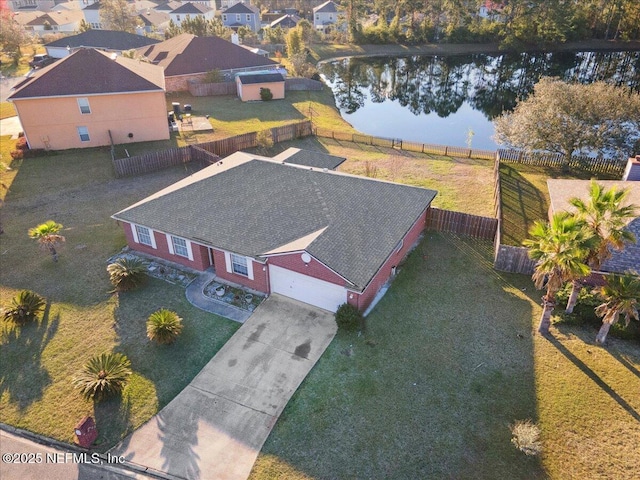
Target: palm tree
(164, 326)
(102, 376)
(606, 218)
(26, 306)
(47, 236)
(558, 248)
(621, 294)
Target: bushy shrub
(21, 143)
(127, 273)
(526, 437)
(265, 94)
(164, 326)
(25, 307)
(103, 376)
(348, 317)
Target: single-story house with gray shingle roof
(321, 237)
(105, 40)
(561, 191)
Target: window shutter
(170, 244)
(227, 261)
(134, 232)
(189, 251)
(249, 268)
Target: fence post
(446, 149)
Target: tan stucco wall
(251, 92)
(57, 119)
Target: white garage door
(306, 289)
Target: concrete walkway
(10, 126)
(215, 427)
(197, 298)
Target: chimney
(632, 172)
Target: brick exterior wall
(363, 300)
(314, 269)
(200, 255)
(260, 280)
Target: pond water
(453, 100)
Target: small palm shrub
(164, 326)
(348, 317)
(103, 376)
(25, 306)
(127, 273)
(526, 437)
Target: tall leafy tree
(118, 15)
(567, 118)
(621, 294)
(48, 237)
(558, 249)
(12, 35)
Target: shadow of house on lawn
(22, 375)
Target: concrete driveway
(215, 427)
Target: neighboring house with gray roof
(191, 10)
(105, 40)
(241, 15)
(561, 191)
(88, 99)
(325, 16)
(321, 237)
(187, 57)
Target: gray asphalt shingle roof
(310, 158)
(252, 78)
(109, 39)
(260, 205)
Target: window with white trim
(224, 17)
(83, 132)
(83, 103)
(180, 246)
(239, 265)
(238, 17)
(399, 245)
(248, 17)
(144, 235)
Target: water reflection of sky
(391, 120)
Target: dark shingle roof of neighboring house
(192, 8)
(168, 6)
(93, 6)
(153, 18)
(251, 78)
(561, 191)
(91, 72)
(107, 39)
(286, 21)
(241, 8)
(254, 207)
(310, 158)
(187, 54)
(58, 18)
(326, 7)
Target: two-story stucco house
(88, 99)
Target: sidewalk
(10, 126)
(198, 299)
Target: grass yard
(7, 110)
(37, 362)
(431, 388)
(525, 197)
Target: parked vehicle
(41, 60)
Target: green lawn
(431, 388)
(525, 197)
(37, 362)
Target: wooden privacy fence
(513, 259)
(211, 89)
(406, 145)
(152, 161)
(461, 223)
(581, 162)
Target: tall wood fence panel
(513, 259)
(299, 84)
(152, 161)
(461, 223)
(212, 89)
(406, 145)
(581, 162)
